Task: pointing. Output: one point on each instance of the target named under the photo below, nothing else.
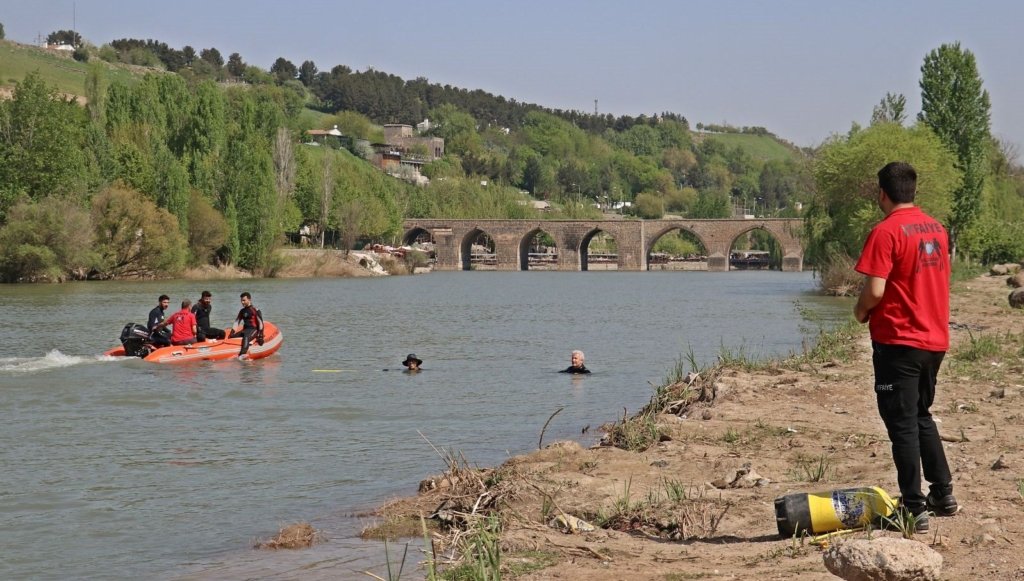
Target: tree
(283, 70)
(49, 240)
(845, 207)
(212, 56)
(189, 54)
(892, 109)
(207, 230)
(326, 193)
(956, 107)
(2, 35)
(40, 143)
(236, 66)
(307, 73)
(64, 37)
(134, 238)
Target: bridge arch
(740, 259)
(416, 234)
(475, 237)
(613, 251)
(528, 249)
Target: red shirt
(184, 321)
(910, 250)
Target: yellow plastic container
(823, 512)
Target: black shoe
(942, 505)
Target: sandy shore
(804, 425)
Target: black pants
(246, 334)
(160, 338)
(905, 389)
(209, 333)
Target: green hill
(762, 147)
(55, 69)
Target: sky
(803, 69)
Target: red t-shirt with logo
(183, 322)
(910, 250)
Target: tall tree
(236, 66)
(283, 70)
(40, 144)
(212, 56)
(307, 72)
(892, 109)
(956, 107)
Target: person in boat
(248, 325)
(202, 310)
(157, 325)
(577, 366)
(412, 363)
(184, 325)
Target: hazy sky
(804, 69)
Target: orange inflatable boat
(209, 350)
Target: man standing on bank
(905, 301)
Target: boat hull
(213, 350)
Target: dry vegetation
(684, 488)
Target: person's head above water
(577, 358)
(412, 362)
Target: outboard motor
(134, 338)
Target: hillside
(55, 68)
(760, 147)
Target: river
(115, 469)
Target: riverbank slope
(699, 502)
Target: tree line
(225, 163)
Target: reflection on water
(145, 470)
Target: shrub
(134, 238)
(49, 240)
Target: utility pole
(595, 107)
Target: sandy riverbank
(659, 516)
(303, 263)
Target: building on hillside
(401, 137)
(324, 136)
(424, 126)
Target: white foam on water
(52, 360)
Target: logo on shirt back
(929, 254)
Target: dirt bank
(295, 263)
(805, 425)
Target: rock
(1016, 298)
(706, 415)
(1000, 464)
(998, 270)
(744, 477)
(1012, 267)
(883, 558)
(1016, 281)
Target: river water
(115, 469)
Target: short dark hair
(245, 295)
(205, 294)
(163, 298)
(186, 304)
(898, 180)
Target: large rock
(884, 558)
(998, 270)
(1016, 281)
(1017, 298)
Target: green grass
(56, 70)
(760, 147)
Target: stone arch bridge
(634, 239)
